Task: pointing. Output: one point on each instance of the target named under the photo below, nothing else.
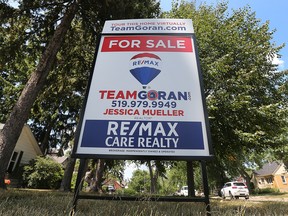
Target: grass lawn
(41, 203)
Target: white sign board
(145, 97)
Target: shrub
(264, 191)
(129, 192)
(43, 173)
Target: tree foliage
(140, 181)
(247, 107)
(26, 33)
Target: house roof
(59, 160)
(31, 136)
(26, 129)
(268, 169)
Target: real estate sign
(145, 96)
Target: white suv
(235, 190)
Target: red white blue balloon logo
(145, 67)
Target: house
(272, 175)
(116, 184)
(25, 150)
(58, 157)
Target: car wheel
(236, 197)
(247, 197)
(231, 196)
(222, 195)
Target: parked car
(111, 188)
(235, 190)
(184, 191)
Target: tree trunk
(45, 144)
(153, 178)
(246, 177)
(66, 181)
(97, 184)
(20, 112)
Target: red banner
(147, 43)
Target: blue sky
(273, 11)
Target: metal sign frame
(172, 123)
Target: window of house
(13, 162)
(269, 180)
(262, 181)
(283, 179)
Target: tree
(243, 88)
(157, 169)
(20, 112)
(41, 21)
(177, 176)
(140, 181)
(154, 174)
(68, 173)
(101, 170)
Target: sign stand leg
(190, 179)
(206, 188)
(79, 184)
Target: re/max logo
(145, 62)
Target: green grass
(41, 203)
